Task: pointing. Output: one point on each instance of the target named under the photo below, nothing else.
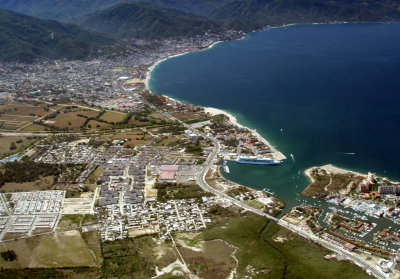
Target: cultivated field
(14, 122)
(16, 115)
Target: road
(201, 180)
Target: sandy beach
(331, 169)
(214, 111)
(148, 74)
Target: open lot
(78, 206)
(112, 116)
(44, 183)
(68, 120)
(19, 142)
(66, 249)
(93, 124)
(16, 115)
(22, 109)
(215, 260)
(134, 138)
(34, 127)
(191, 116)
(89, 112)
(14, 122)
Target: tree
(13, 146)
(9, 255)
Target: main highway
(201, 180)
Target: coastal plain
(115, 181)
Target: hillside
(63, 10)
(24, 38)
(127, 20)
(297, 11)
(276, 12)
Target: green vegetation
(174, 191)
(128, 258)
(74, 220)
(127, 20)
(56, 9)
(237, 14)
(194, 148)
(9, 255)
(174, 129)
(255, 204)
(50, 273)
(27, 171)
(244, 14)
(24, 38)
(325, 183)
(154, 99)
(51, 251)
(295, 257)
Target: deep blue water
(332, 89)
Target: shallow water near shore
(321, 93)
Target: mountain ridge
(126, 20)
(25, 38)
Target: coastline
(148, 74)
(331, 169)
(214, 111)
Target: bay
(324, 94)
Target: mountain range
(24, 37)
(127, 20)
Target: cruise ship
(257, 160)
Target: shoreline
(232, 119)
(331, 169)
(214, 111)
(338, 170)
(155, 64)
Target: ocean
(322, 94)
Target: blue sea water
(326, 93)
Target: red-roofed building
(167, 176)
(350, 246)
(169, 168)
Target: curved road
(201, 180)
